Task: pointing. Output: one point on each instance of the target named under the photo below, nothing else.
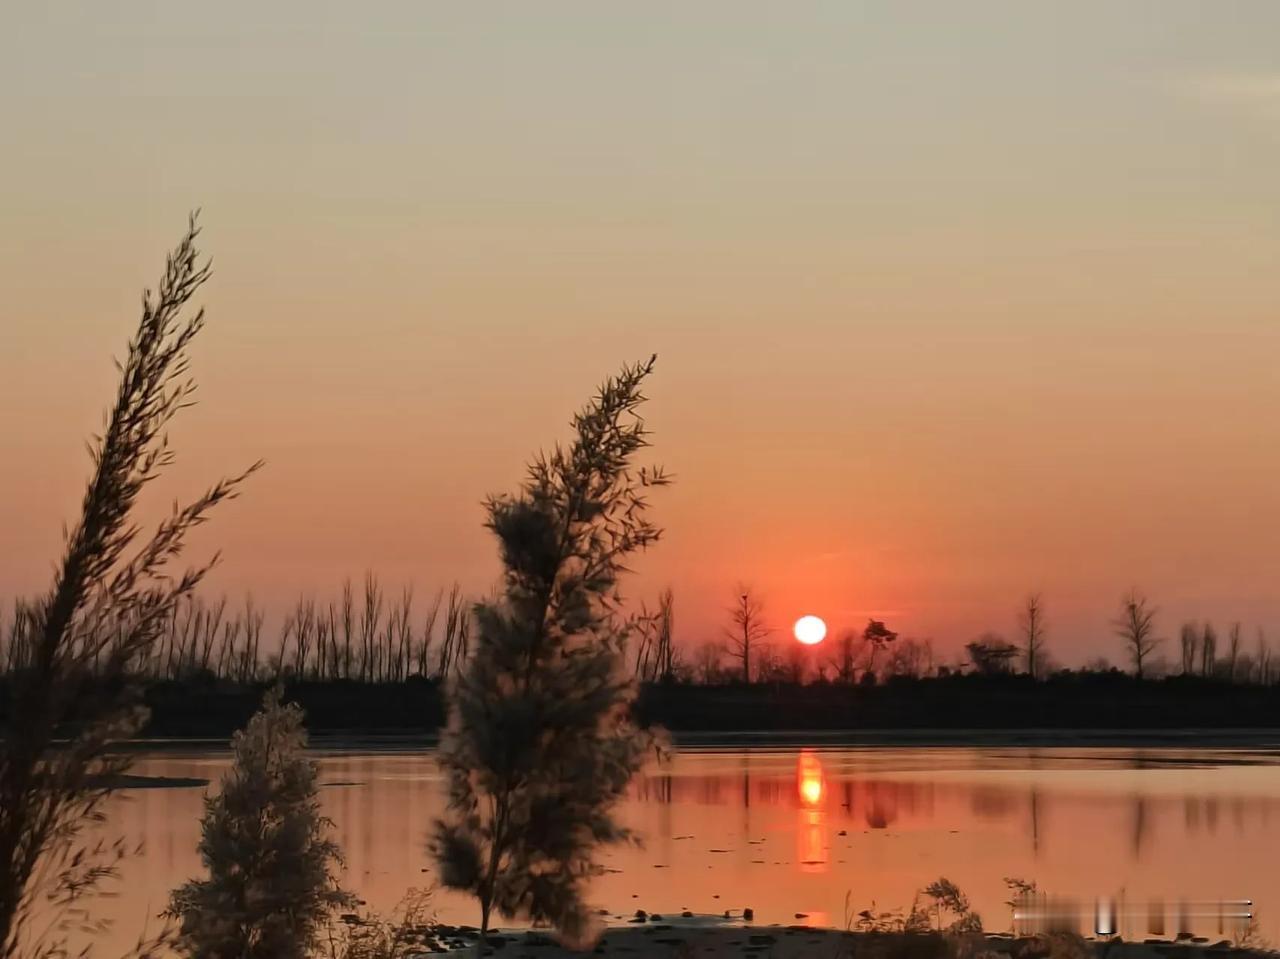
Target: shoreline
(1065, 707)
(713, 938)
(339, 741)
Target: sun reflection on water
(811, 832)
(810, 778)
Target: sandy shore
(705, 938)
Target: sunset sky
(951, 301)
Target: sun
(810, 630)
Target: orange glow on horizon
(1113, 281)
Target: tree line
(367, 636)
(746, 652)
(372, 635)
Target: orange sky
(947, 307)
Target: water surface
(820, 831)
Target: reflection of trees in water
(875, 802)
(883, 801)
(1139, 824)
(1035, 820)
(994, 802)
(1202, 813)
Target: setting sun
(810, 630)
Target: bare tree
(112, 595)
(1189, 640)
(1031, 622)
(1136, 626)
(540, 744)
(348, 622)
(847, 648)
(912, 658)
(1263, 657)
(1233, 651)
(397, 637)
(308, 644)
(655, 658)
(770, 666)
(706, 663)
(796, 664)
(422, 653)
(370, 627)
(457, 632)
(1208, 650)
(748, 629)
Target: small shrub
(948, 901)
(409, 932)
(271, 885)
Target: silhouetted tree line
(366, 637)
(878, 654)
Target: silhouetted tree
(655, 659)
(1189, 641)
(706, 663)
(457, 634)
(540, 743)
(748, 629)
(1246, 668)
(846, 656)
(1031, 621)
(1136, 626)
(1208, 650)
(990, 654)
(910, 657)
(114, 593)
(797, 662)
(272, 867)
(877, 636)
(1263, 663)
(770, 666)
(1233, 651)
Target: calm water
(792, 830)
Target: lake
(822, 831)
